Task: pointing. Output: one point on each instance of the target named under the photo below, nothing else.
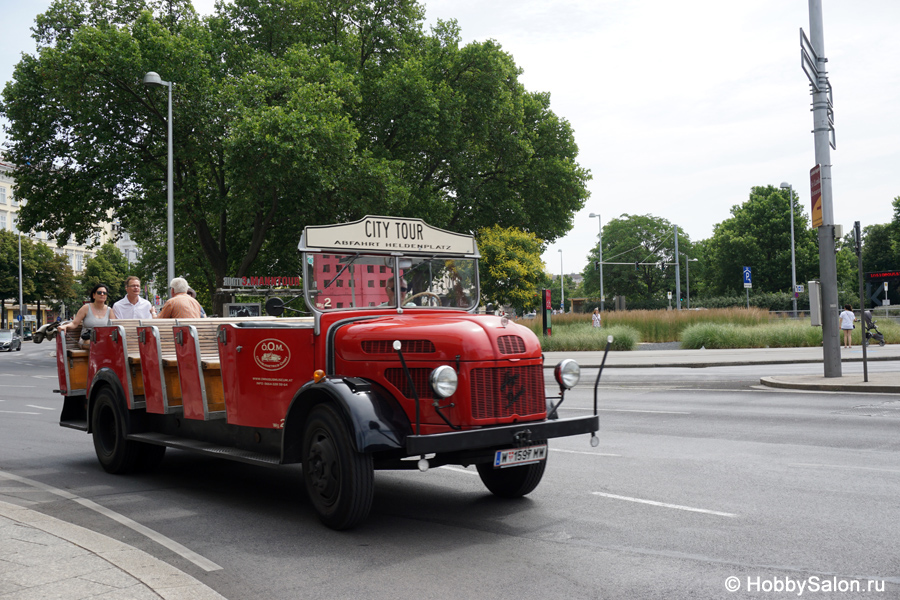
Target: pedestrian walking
(595, 318)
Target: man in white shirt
(132, 306)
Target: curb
(161, 578)
(819, 386)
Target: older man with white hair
(180, 305)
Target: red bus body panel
(262, 369)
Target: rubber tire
(116, 454)
(339, 481)
(511, 482)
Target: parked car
(9, 341)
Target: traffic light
(636, 265)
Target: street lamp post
(22, 310)
(562, 283)
(786, 186)
(600, 246)
(152, 79)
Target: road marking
(187, 553)
(17, 412)
(582, 452)
(18, 386)
(40, 407)
(845, 467)
(665, 505)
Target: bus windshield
(354, 281)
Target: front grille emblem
(509, 385)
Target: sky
(680, 108)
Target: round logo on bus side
(271, 354)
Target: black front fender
(375, 420)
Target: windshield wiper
(344, 268)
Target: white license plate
(519, 456)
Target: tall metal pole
(21, 303)
(600, 246)
(790, 189)
(677, 271)
(562, 283)
(170, 218)
(831, 352)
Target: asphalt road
(700, 476)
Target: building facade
(76, 254)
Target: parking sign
(748, 279)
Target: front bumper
(518, 434)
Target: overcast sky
(679, 108)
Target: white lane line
(183, 551)
(40, 407)
(582, 452)
(665, 505)
(845, 467)
(17, 412)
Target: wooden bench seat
(72, 361)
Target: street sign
(670, 295)
(748, 278)
(815, 194)
(799, 289)
(808, 61)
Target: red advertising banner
(815, 193)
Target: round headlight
(444, 381)
(567, 373)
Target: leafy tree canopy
(46, 275)
(511, 267)
(636, 239)
(286, 113)
(109, 267)
(758, 235)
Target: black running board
(207, 448)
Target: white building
(9, 209)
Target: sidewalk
(851, 361)
(42, 558)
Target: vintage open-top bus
(394, 370)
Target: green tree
(758, 235)
(54, 282)
(286, 113)
(46, 275)
(109, 267)
(9, 270)
(511, 267)
(634, 239)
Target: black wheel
(340, 481)
(511, 482)
(115, 453)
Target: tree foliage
(758, 235)
(46, 275)
(286, 113)
(634, 239)
(512, 271)
(109, 267)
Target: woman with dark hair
(847, 318)
(92, 314)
